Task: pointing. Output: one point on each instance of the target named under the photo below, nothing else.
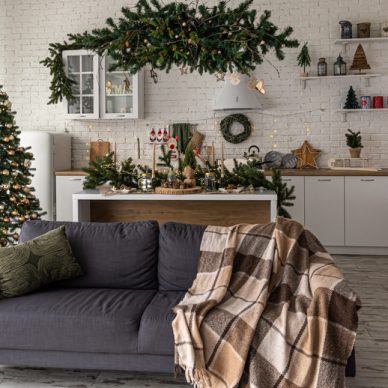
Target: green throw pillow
(33, 264)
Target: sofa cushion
(71, 319)
(179, 246)
(155, 333)
(36, 263)
(112, 255)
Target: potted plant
(304, 59)
(353, 141)
(189, 165)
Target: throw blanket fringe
(268, 309)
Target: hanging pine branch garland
(207, 40)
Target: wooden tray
(166, 190)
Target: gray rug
(59, 378)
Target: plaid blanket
(269, 308)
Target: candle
(213, 159)
(222, 160)
(115, 152)
(153, 160)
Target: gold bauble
(6, 139)
(16, 186)
(34, 215)
(5, 172)
(26, 189)
(12, 199)
(14, 212)
(6, 220)
(21, 219)
(15, 236)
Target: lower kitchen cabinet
(366, 211)
(296, 211)
(66, 186)
(325, 208)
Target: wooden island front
(203, 208)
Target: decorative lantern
(340, 66)
(322, 67)
(346, 29)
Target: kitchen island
(203, 208)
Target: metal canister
(210, 181)
(145, 182)
(366, 102)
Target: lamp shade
(237, 97)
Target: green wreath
(227, 123)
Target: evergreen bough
(205, 39)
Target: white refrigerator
(52, 152)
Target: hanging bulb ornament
(5, 172)
(235, 78)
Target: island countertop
(285, 172)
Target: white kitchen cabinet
(66, 186)
(81, 67)
(296, 211)
(366, 211)
(325, 208)
(99, 92)
(121, 93)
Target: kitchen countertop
(285, 172)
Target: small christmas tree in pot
(189, 165)
(353, 141)
(304, 59)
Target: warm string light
(273, 137)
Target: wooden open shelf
(345, 42)
(344, 112)
(367, 78)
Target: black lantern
(340, 66)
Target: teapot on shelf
(252, 156)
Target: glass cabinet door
(82, 68)
(120, 92)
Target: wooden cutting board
(98, 149)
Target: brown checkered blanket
(269, 308)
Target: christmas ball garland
(226, 125)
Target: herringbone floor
(368, 276)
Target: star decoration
(234, 78)
(220, 77)
(306, 155)
(183, 70)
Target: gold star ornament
(306, 155)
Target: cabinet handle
(367, 180)
(75, 179)
(287, 179)
(324, 180)
(120, 115)
(82, 115)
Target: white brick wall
(30, 25)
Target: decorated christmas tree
(351, 100)
(359, 61)
(17, 201)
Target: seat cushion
(71, 319)
(155, 333)
(179, 246)
(112, 255)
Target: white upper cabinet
(99, 92)
(82, 67)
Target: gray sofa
(118, 315)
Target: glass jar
(145, 182)
(210, 181)
(322, 67)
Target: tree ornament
(226, 125)
(351, 100)
(235, 78)
(306, 155)
(183, 70)
(220, 77)
(5, 172)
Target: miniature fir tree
(359, 61)
(17, 201)
(304, 59)
(354, 139)
(351, 100)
